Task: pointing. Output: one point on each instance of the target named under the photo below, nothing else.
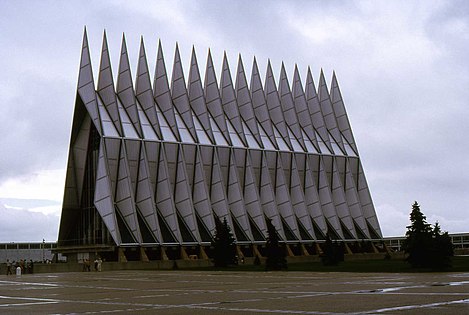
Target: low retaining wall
(131, 265)
(182, 264)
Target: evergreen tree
(442, 249)
(276, 257)
(224, 244)
(333, 253)
(418, 238)
(426, 247)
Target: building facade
(152, 167)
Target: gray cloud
(21, 225)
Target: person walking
(100, 262)
(9, 267)
(30, 266)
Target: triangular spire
(212, 98)
(196, 97)
(179, 96)
(289, 112)
(244, 102)
(228, 98)
(259, 104)
(125, 89)
(143, 90)
(303, 114)
(106, 86)
(85, 87)
(273, 104)
(317, 118)
(328, 112)
(162, 94)
(339, 109)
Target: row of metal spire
(303, 115)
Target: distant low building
(152, 167)
(37, 252)
(460, 242)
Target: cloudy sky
(403, 68)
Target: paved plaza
(197, 292)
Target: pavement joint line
(259, 310)
(29, 283)
(26, 298)
(410, 307)
(150, 296)
(67, 286)
(26, 304)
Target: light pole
(43, 255)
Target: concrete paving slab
(197, 292)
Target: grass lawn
(460, 264)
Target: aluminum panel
(212, 98)
(106, 86)
(197, 99)
(143, 90)
(274, 107)
(125, 89)
(179, 96)
(161, 92)
(229, 102)
(312, 101)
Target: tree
(442, 249)
(426, 247)
(333, 253)
(224, 245)
(276, 257)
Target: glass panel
(252, 143)
(282, 145)
(322, 145)
(219, 138)
(129, 131)
(309, 145)
(235, 140)
(335, 146)
(265, 139)
(296, 145)
(165, 129)
(201, 134)
(348, 148)
(108, 126)
(183, 131)
(148, 132)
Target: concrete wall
(180, 263)
(110, 266)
